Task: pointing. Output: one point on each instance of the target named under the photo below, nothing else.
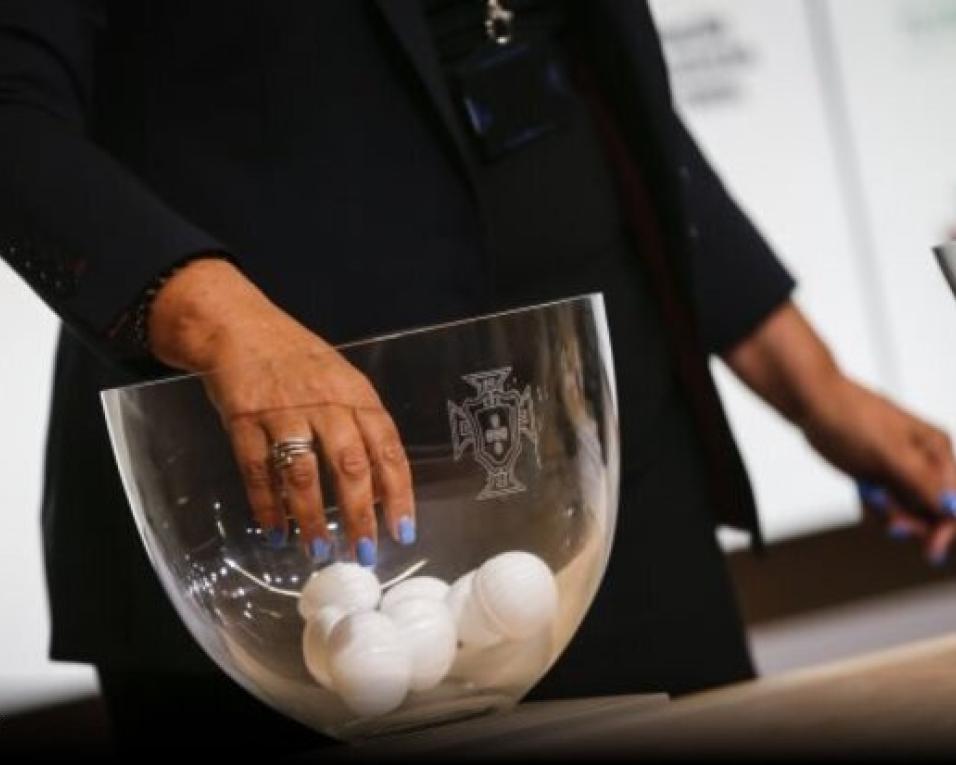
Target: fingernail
(365, 550)
(875, 496)
(938, 559)
(321, 550)
(406, 530)
(898, 531)
(948, 502)
(275, 538)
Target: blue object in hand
(406, 530)
(948, 502)
(321, 550)
(897, 531)
(276, 538)
(876, 496)
(365, 551)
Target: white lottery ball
(315, 638)
(470, 620)
(326, 618)
(517, 592)
(349, 586)
(369, 663)
(430, 638)
(417, 587)
(509, 665)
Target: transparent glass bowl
(510, 425)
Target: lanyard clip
(499, 22)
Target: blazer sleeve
(737, 279)
(80, 229)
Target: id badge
(512, 95)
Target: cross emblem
(492, 423)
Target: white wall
(898, 62)
(27, 336)
(832, 124)
(748, 90)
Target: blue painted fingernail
(320, 549)
(875, 496)
(365, 550)
(948, 502)
(939, 558)
(275, 538)
(406, 530)
(898, 531)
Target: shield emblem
(492, 424)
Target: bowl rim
(579, 298)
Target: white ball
(459, 591)
(510, 666)
(517, 593)
(313, 653)
(368, 663)
(417, 587)
(315, 643)
(315, 638)
(327, 617)
(349, 586)
(470, 621)
(430, 638)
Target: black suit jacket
(317, 143)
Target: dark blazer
(318, 144)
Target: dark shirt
(318, 143)
(556, 226)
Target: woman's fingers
(391, 473)
(298, 474)
(938, 447)
(939, 542)
(938, 535)
(903, 525)
(918, 478)
(899, 523)
(345, 453)
(292, 454)
(251, 446)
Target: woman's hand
(272, 381)
(905, 466)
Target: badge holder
(512, 95)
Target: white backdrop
(27, 337)
(749, 91)
(832, 122)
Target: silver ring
(285, 452)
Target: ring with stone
(284, 452)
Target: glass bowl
(509, 422)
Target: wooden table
(901, 701)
